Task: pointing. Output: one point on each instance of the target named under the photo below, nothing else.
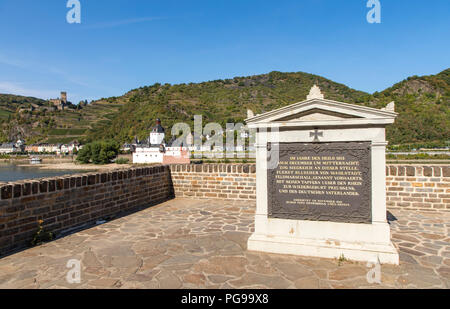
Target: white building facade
(157, 151)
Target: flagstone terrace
(188, 243)
(199, 239)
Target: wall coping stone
(234, 168)
(21, 188)
(13, 190)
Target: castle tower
(189, 140)
(158, 133)
(64, 97)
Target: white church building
(155, 150)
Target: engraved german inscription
(322, 182)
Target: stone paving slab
(202, 244)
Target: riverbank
(75, 166)
(46, 160)
(18, 171)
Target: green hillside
(46, 126)
(218, 101)
(10, 103)
(423, 104)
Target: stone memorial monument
(321, 187)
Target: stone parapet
(64, 203)
(419, 187)
(222, 181)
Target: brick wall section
(418, 187)
(408, 186)
(222, 181)
(68, 202)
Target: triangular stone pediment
(316, 115)
(323, 112)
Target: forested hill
(423, 104)
(9, 103)
(220, 101)
(36, 121)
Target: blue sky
(124, 44)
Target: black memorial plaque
(321, 182)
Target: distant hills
(422, 102)
(44, 125)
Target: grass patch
(122, 161)
(76, 131)
(64, 132)
(4, 113)
(418, 156)
(58, 132)
(62, 140)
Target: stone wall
(68, 202)
(222, 181)
(418, 187)
(408, 186)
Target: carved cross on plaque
(316, 134)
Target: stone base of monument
(356, 242)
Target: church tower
(158, 133)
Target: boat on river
(35, 160)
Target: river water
(12, 172)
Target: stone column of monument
(321, 187)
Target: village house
(46, 148)
(41, 148)
(32, 148)
(58, 149)
(64, 149)
(8, 148)
(20, 145)
(73, 146)
(68, 148)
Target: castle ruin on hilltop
(60, 103)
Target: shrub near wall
(68, 202)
